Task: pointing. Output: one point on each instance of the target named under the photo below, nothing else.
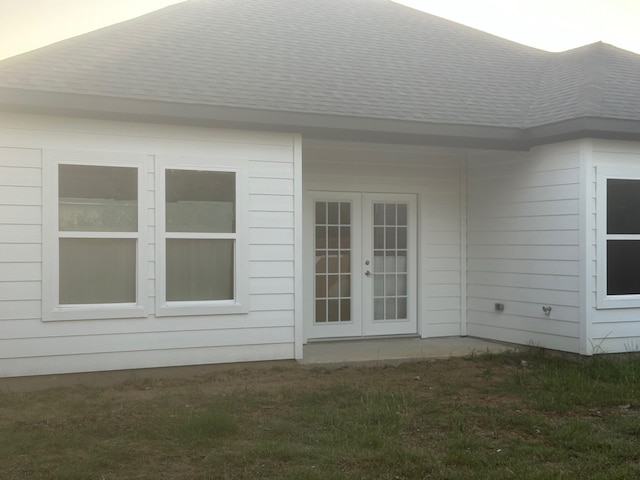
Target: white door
(363, 266)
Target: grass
(475, 418)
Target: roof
(349, 69)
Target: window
(92, 245)
(618, 238)
(200, 257)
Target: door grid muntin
(390, 250)
(332, 269)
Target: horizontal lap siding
(20, 235)
(613, 330)
(523, 246)
(30, 346)
(435, 178)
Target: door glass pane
(333, 261)
(345, 237)
(333, 311)
(378, 285)
(390, 214)
(378, 308)
(390, 261)
(333, 213)
(401, 281)
(390, 238)
(97, 270)
(378, 214)
(97, 199)
(345, 310)
(345, 262)
(200, 201)
(402, 237)
(402, 214)
(321, 311)
(199, 270)
(333, 286)
(401, 261)
(401, 307)
(390, 309)
(333, 237)
(321, 286)
(321, 212)
(378, 237)
(390, 285)
(345, 213)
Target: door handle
(367, 273)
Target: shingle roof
(368, 59)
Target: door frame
(357, 328)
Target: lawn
(526, 415)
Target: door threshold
(362, 339)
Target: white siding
(523, 233)
(434, 176)
(29, 346)
(613, 330)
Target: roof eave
(313, 125)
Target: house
(223, 181)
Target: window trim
(51, 308)
(240, 302)
(603, 300)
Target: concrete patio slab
(396, 350)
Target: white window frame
(240, 302)
(51, 308)
(603, 300)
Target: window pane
(623, 205)
(97, 270)
(199, 270)
(97, 199)
(623, 265)
(200, 201)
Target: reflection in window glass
(97, 199)
(200, 201)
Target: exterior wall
(30, 346)
(435, 177)
(612, 330)
(524, 246)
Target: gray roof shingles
(359, 58)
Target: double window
(618, 254)
(95, 246)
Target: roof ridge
(595, 74)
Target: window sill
(185, 309)
(618, 301)
(94, 312)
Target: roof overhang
(313, 125)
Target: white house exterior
(151, 218)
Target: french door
(363, 269)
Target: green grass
(475, 418)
